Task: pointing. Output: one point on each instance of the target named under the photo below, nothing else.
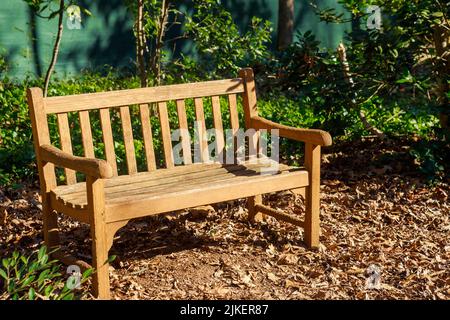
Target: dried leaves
(373, 213)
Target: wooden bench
(107, 201)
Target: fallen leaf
(287, 259)
(3, 216)
(291, 284)
(272, 277)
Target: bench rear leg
(50, 225)
(253, 214)
(312, 219)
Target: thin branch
(349, 79)
(156, 58)
(184, 36)
(55, 48)
(140, 39)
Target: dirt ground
(376, 212)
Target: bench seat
(164, 190)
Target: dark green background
(106, 37)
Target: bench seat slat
(219, 182)
(241, 187)
(134, 186)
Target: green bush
(310, 110)
(17, 159)
(432, 158)
(35, 277)
(221, 48)
(16, 148)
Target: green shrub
(310, 110)
(17, 159)
(222, 48)
(35, 277)
(432, 158)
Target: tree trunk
(55, 48)
(141, 43)
(441, 43)
(349, 79)
(34, 41)
(285, 23)
(156, 57)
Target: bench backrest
(107, 104)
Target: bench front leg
(49, 217)
(312, 219)
(96, 204)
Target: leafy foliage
(16, 141)
(401, 60)
(222, 49)
(398, 77)
(395, 75)
(51, 7)
(3, 64)
(34, 277)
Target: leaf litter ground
(375, 211)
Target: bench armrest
(95, 168)
(314, 136)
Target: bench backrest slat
(144, 114)
(128, 140)
(66, 143)
(185, 138)
(92, 101)
(166, 135)
(234, 119)
(201, 129)
(86, 134)
(218, 126)
(105, 121)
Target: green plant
(222, 49)
(432, 157)
(3, 64)
(34, 277)
(16, 141)
(315, 107)
(16, 150)
(406, 57)
(39, 7)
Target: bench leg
(99, 262)
(253, 214)
(96, 204)
(312, 221)
(50, 225)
